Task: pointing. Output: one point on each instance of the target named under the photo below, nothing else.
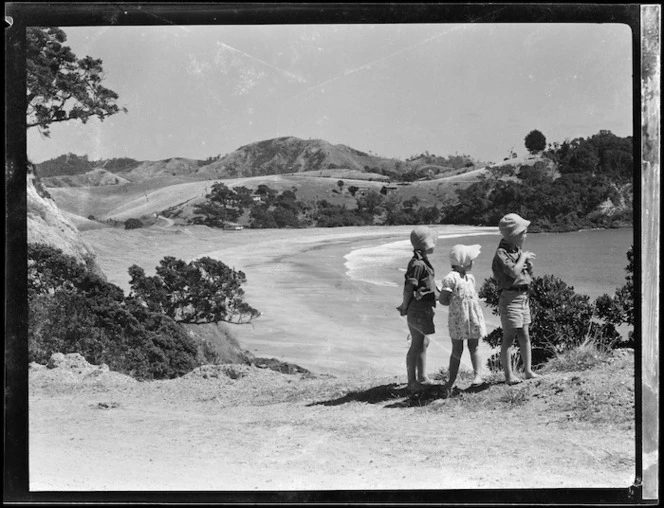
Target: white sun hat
(462, 255)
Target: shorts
(514, 309)
(421, 320)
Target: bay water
(592, 262)
(332, 308)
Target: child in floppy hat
(419, 300)
(466, 318)
(512, 268)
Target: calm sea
(592, 262)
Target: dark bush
(561, 318)
(619, 309)
(204, 290)
(71, 310)
(535, 141)
(133, 224)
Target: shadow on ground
(399, 396)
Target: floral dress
(466, 318)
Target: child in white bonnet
(466, 318)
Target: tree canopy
(60, 86)
(204, 290)
(535, 141)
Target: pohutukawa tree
(204, 290)
(60, 86)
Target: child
(466, 319)
(419, 300)
(512, 268)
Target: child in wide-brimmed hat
(512, 268)
(466, 318)
(419, 300)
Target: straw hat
(462, 255)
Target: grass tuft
(587, 355)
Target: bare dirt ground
(241, 428)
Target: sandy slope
(245, 429)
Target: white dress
(466, 318)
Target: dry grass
(586, 355)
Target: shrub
(71, 310)
(50, 270)
(619, 309)
(561, 318)
(133, 224)
(204, 290)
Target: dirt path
(267, 431)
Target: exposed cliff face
(47, 224)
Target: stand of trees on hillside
(72, 310)
(72, 164)
(592, 189)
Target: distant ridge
(276, 156)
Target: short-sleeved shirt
(420, 274)
(466, 320)
(503, 267)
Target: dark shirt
(420, 274)
(503, 264)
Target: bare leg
(413, 356)
(505, 357)
(422, 362)
(455, 359)
(524, 344)
(475, 360)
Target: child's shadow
(400, 394)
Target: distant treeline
(72, 164)
(591, 186)
(594, 189)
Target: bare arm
(516, 270)
(445, 297)
(407, 297)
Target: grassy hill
(146, 198)
(268, 157)
(315, 169)
(120, 189)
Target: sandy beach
(313, 313)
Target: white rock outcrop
(47, 224)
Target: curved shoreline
(315, 314)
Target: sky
(392, 90)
